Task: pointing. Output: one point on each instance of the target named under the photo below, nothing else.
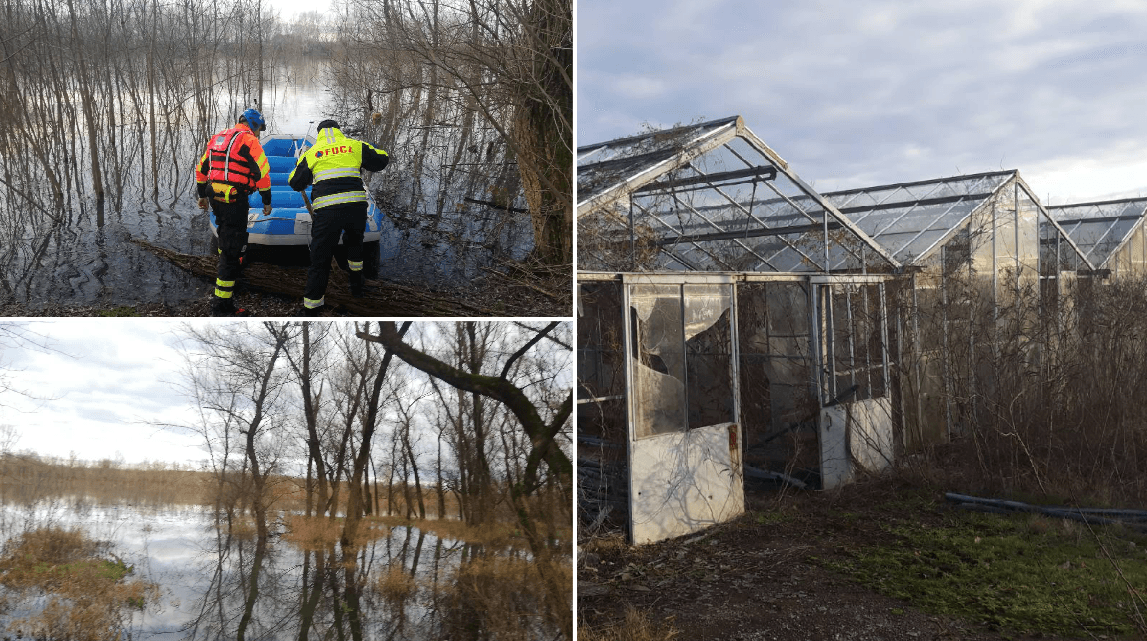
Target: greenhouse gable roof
(713, 196)
(1100, 229)
(911, 220)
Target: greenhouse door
(685, 441)
(855, 428)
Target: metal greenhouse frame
(1110, 233)
(710, 197)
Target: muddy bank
(268, 290)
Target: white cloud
(883, 91)
(98, 389)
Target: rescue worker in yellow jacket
(334, 164)
(233, 167)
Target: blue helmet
(254, 119)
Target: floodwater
(211, 585)
(87, 262)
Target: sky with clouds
(97, 387)
(861, 94)
(111, 388)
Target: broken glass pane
(658, 363)
(709, 354)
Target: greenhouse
(981, 256)
(1110, 234)
(729, 332)
(735, 324)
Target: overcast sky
(857, 94)
(99, 387)
(103, 387)
(288, 9)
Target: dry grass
(396, 585)
(489, 534)
(500, 534)
(324, 533)
(88, 589)
(637, 626)
(1038, 400)
(27, 479)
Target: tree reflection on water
(406, 584)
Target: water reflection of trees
(409, 584)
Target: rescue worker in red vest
(334, 164)
(233, 167)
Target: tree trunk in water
(441, 491)
(253, 591)
(542, 129)
(87, 103)
(417, 484)
(354, 501)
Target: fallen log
(383, 298)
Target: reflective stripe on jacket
(334, 164)
(233, 166)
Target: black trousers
(232, 225)
(327, 225)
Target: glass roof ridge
(1117, 201)
(916, 183)
(625, 140)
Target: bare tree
(237, 380)
(543, 434)
(504, 65)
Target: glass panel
(599, 337)
(602, 417)
(1028, 248)
(842, 348)
(1139, 253)
(857, 349)
(709, 354)
(658, 359)
(778, 409)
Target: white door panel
(685, 481)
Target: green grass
(113, 571)
(119, 312)
(1018, 574)
(771, 517)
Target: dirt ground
(757, 577)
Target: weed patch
(87, 588)
(120, 312)
(396, 585)
(500, 534)
(1021, 574)
(637, 626)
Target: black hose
(1095, 516)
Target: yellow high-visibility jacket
(334, 165)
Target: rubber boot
(357, 284)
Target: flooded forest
(107, 105)
(366, 481)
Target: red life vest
(230, 160)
